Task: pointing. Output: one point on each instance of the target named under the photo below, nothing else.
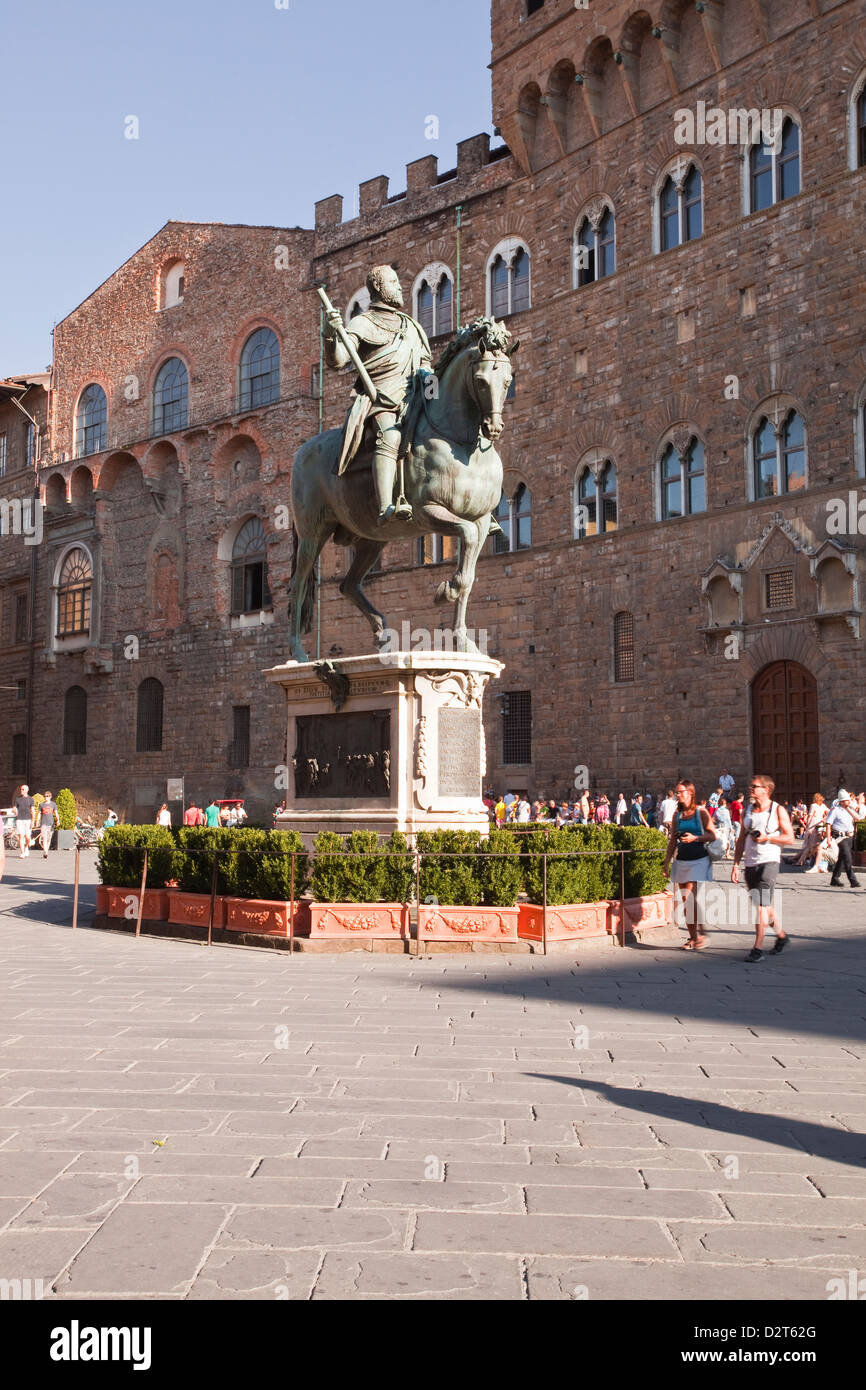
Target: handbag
(717, 849)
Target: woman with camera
(691, 830)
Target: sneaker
(836, 883)
(856, 883)
(754, 955)
(781, 943)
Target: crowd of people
(748, 827)
(230, 815)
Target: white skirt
(692, 870)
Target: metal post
(141, 897)
(213, 889)
(75, 888)
(417, 903)
(622, 893)
(292, 908)
(544, 911)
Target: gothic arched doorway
(785, 729)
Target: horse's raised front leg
(472, 535)
(366, 553)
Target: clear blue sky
(247, 113)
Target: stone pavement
(178, 1122)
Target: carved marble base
(405, 751)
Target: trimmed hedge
(358, 869)
(860, 836)
(458, 868)
(253, 863)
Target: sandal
(700, 943)
(689, 945)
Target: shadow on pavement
(821, 1141)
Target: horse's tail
(309, 598)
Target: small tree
(66, 809)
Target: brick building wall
(761, 315)
(22, 436)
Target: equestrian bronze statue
(432, 430)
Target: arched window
(74, 586)
(170, 396)
(433, 297)
(260, 369)
(148, 724)
(623, 647)
(596, 499)
(508, 279)
(75, 720)
(172, 285)
(249, 566)
(681, 209)
(774, 168)
(683, 481)
(358, 304)
(779, 456)
(90, 421)
(595, 252)
(515, 517)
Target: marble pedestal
(405, 751)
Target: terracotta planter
(467, 923)
(101, 899)
(193, 909)
(259, 916)
(859, 858)
(654, 910)
(123, 902)
(565, 923)
(359, 920)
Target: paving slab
(619, 1125)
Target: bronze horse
(453, 481)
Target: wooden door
(785, 729)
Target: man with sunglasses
(765, 828)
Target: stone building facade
(673, 229)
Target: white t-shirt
(667, 808)
(523, 810)
(767, 823)
(164, 818)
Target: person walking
(840, 823)
(602, 810)
(23, 804)
(110, 820)
(500, 811)
(636, 815)
(726, 782)
(621, 810)
(722, 820)
(48, 820)
(667, 807)
(163, 815)
(212, 814)
(814, 830)
(687, 859)
(191, 814)
(766, 827)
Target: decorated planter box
(642, 914)
(193, 909)
(859, 858)
(123, 902)
(467, 923)
(259, 916)
(358, 920)
(101, 899)
(564, 923)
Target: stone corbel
(592, 98)
(514, 133)
(630, 80)
(556, 106)
(98, 663)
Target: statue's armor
(393, 348)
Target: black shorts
(761, 883)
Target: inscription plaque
(459, 752)
(343, 755)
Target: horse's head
(488, 351)
(491, 378)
